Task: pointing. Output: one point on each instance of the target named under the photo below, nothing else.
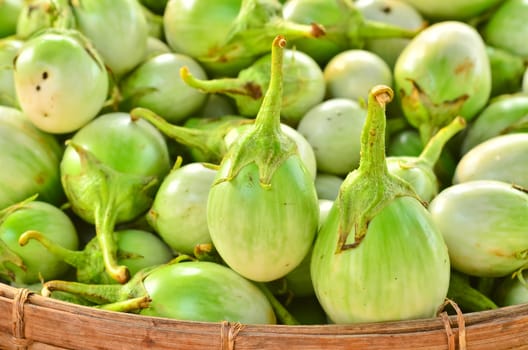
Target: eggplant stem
(283, 315)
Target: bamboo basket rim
(33, 320)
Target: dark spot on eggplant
(40, 179)
(386, 9)
(464, 67)
(44, 75)
(254, 90)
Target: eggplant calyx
(9, 258)
(264, 144)
(429, 116)
(371, 187)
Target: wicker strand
(228, 334)
(449, 331)
(461, 324)
(19, 339)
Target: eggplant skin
(484, 226)
(399, 271)
(264, 233)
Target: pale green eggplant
(333, 128)
(104, 23)
(60, 80)
(443, 72)
(484, 225)
(9, 48)
(155, 84)
(378, 256)
(503, 158)
(262, 210)
(352, 73)
(503, 115)
(179, 211)
(452, 10)
(327, 186)
(395, 12)
(419, 170)
(512, 290)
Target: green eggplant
(467, 297)
(9, 12)
(225, 36)
(505, 27)
(30, 160)
(395, 12)
(30, 264)
(178, 213)
(9, 48)
(333, 128)
(155, 84)
(183, 290)
(136, 249)
(443, 72)
(110, 171)
(60, 79)
(503, 115)
(105, 24)
(503, 158)
(378, 256)
(262, 209)
(507, 71)
(345, 27)
(484, 226)
(303, 85)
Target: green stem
(96, 293)
(283, 315)
(111, 189)
(74, 258)
(105, 221)
(5, 212)
(8, 257)
(268, 118)
(227, 86)
(432, 150)
(265, 144)
(380, 30)
(467, 297)
(372, 143)
(368, 189)
(129, 305)
(210, 143)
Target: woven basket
(31, 321)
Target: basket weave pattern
(33, 322)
